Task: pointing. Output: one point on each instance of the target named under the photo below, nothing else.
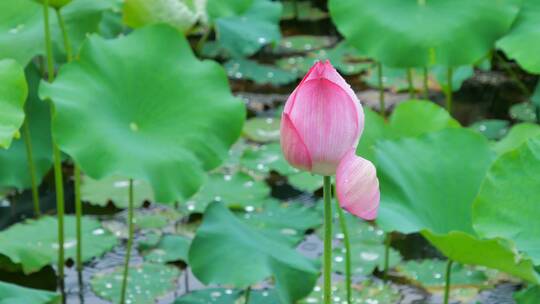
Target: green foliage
(34, 244)
(259, 73)
(368, 292)
(521, 42)
(517, 135)
(427, 32)
(304, 11)
(529, 295)
(14, 172)
(168, 132)
(491, 128)
(146, 283)
(13, 294)
(431, 273)
(170, 248)
(524, 111)
(223, 244)
(13, 93)
(116, 190)
(262, 129)
(266, 158)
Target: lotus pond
(269, 152)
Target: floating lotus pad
(427, 32)
(33, 244)
(13, 93)
(262, 129)
(165, 119)
(14, 294)
(223, 244)
(116, 190)
(517, 135)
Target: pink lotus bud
(321, 122)
(357, 186)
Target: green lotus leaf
(180, 14)
(244, 34)
(21, 26)
(227, 251)
(517, 135)
(156, 113)
(529, 295)
(257, 72)
(305, 181)
(302, 43)
(14, 170)
(170, 248)
(409, 119)
(238, 191)
(459, 75)
(266, 158)
(305, 11)
(228, 296)
(220, 8)
(521, 42)
(491, 128)
(146, 283)
(262, 129)
(55, 3)
(494, 253)
(368, 291)
(423, 33)
(33, 244)
(114, 189)
(430, 273)
(13, 93)
(507, 204)
(14, 294)
(524, 111)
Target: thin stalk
(295, 9)
(513, 75)
(129, 243)
(448, 280)
(247, 294)
(381, 89)
(77, 171)
(31, 168)
(387, 242)
(426, 87)
(58, 178)
(200, 44)
(347, 243)
(327, 264)
(449, 90)
(410, 82)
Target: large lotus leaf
(302, 10)
(155, 113)
(243, 35)
(21, 26)
(33, 244)
(180, 14)
(227, 251)
(521, 42)
(220, 8)
(266, 158)
(529, 295)
(13, 93)
(430, 273)
(494, 253)
(228, 296)
(493, 129)
(422, 33)
(170, 248)
(14, 294)
(368, 292)
(438, 196)
(410, 119)
(236, 191)
(55, 3)
(13, 162)
(257, 72)
(116, 190)
(146, 283)
(507, 204)
(517, 135)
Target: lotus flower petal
(293, 146)
(357, 186)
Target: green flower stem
(77, 171)
(31, 167)
(58, 178)
(426, 87)
(410, 82)
(448, 279)
(387, 242)
(200, 44)
(129, 243)
(449, 90)
(247, 293)
(381, 89)
(347, 243)
(327, 264)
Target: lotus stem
(200, 44)
(381, 89)
(449, 90)
(129, 243)
(448, 280)
(247, 293)
(327, 264)
(76, 171)
(426, 87)
(31, 168)
(387, 242)
(513, 75)
(347, 243)
(58, 178)
(410, 82)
